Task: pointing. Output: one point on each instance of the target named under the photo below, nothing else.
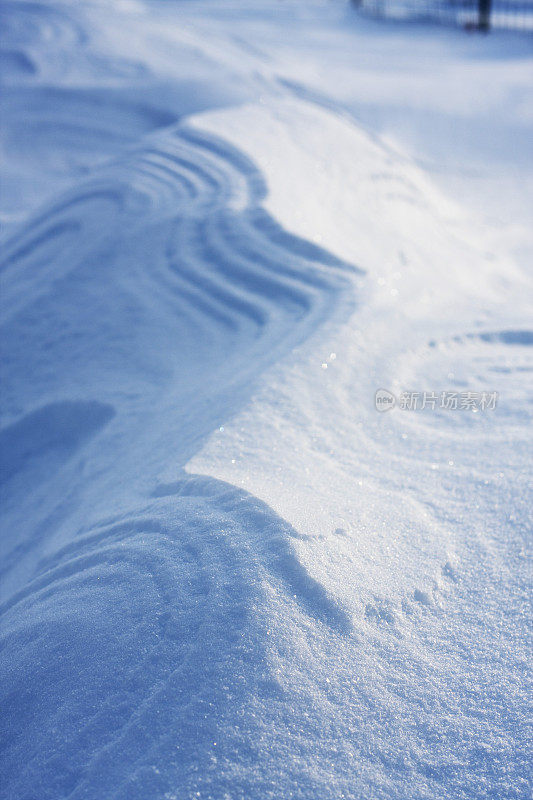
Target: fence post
(484, 7)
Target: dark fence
(470, 14)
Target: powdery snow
(224, 573)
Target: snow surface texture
(224, 574)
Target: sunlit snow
(266, 400)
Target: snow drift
(224, 575)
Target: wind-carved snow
(223, 573)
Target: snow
(225, 226)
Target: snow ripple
(175, 236)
